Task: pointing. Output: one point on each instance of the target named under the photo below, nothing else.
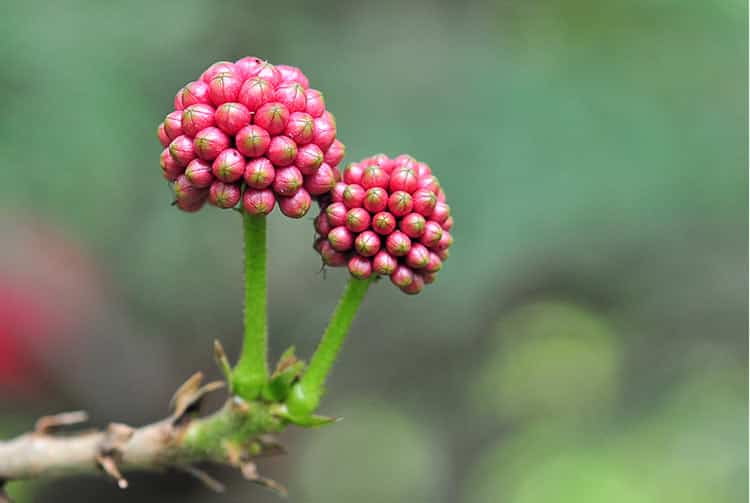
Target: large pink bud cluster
(252, 134)
(386, 217)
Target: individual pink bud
(258, 202)
(252, 140)
(322, 226)
(398, 244)
(282, 151)
(416, 286)
(173, 124)
(374, 176)
(367, 244)
(376, 199)
(445, 242)
(169, 167)
(321, 182)
(418, 256)
(413, 225)
(247, 66)
(357, 219)
(292, 95)
(231, 117)
(336, 213)
(192, 94)
(255, 92)
(429, 277)
(309, 158)
(300, 127)
(383, 223)
(448, 224)
(432, 234)
(324, 131)
(354, 196)
(335, 153)
(340, 238)
(440, 212)
(224, 87)
(229, 166)
(441, 195)
(192, 205)
(353, 173)
(330, 256)
(288, 181)
(296, 206)
(406, 160)
(217, 68)
(210, 142)
(383, 263)
(360, 267)
(199, 173)
(424, 201)
(224, 195)
(443, 254)
(434, 264)
(267, 71)
(381, 160)
(259, 173)
(293, 74)
(429, 182)
(402, 276)
(423, 169)
(197, 117)
(316, 104)
(403, 178)
(161, 133)
(400, 203)
(182, 150)
(272, 117)
(185, 191)
(337, 192)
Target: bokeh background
(586, 342)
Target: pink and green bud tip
(258, 202)
(297, 205)
(196, 118)
(341, 239)
(210, 142)
(281, 151)
(287, 182)
(259, 173)
(224, 195)
(360, 267)
(252, 141)
(229, 166)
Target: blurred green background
(586, 342)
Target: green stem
(251, 371)
(306, 394)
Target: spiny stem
(307, 393)
(251, 371)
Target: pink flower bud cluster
(250, 133)
(387, 217)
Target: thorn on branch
(110, 451)
(188, 397)
(48, 424)
(250, 472)
(223, 362)
(204, 477)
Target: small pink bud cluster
(250, 133)
(387, 217)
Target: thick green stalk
(307, 393)
(251, 371)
